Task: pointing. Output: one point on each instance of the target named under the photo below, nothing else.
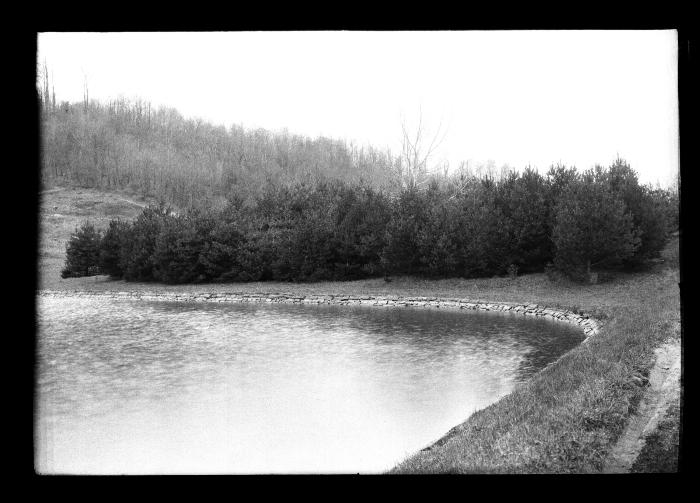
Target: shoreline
(589, 325)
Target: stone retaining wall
(589, 325)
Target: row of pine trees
(476, 226)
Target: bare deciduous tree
(416, 152)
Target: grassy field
(565, 420)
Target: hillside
(62, 210)
(124, 145)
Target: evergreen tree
(136, 255)
(409, 213)
(593, 229)
(484, 234)
(523, 202)
(438, 238)
(180, 240)
(113, 241)
(648, 210)
(360, 232)
(219, 255)
(83, 252)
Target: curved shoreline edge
(589, 325)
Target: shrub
(82, 252)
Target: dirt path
(49, 191)
(58, 189)
(140, 205)
(664, 388)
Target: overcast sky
(513, 97)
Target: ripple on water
(162, 387)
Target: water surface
(129, 386)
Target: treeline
(462, 226)
(158, 153)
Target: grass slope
(62, 210)
(565, 420)
(568, 417)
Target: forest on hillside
(128, 144)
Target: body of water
(137, 387)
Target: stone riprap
(589, 325)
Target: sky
(515, 98)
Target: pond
(136, 387)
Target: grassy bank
(567, 418)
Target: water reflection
(155, 387)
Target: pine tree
(113, 241)
(83, 252)
(593, 228)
